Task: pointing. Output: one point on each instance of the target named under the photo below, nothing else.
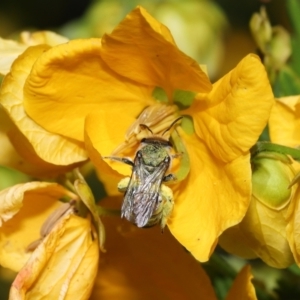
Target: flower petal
(242, 287)
(64, 266)
(103, 137)
(284, 122)
(16, 152)
(42, 37)
(213, 197)
(70, 80)
(265, 230)
(52, 148)
(233, 240)
(24, 208)
(145, 264)
(232, 116)
(9, 51)
(142, 49)
(32, 163)
(293, 228)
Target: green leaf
(293, 8)
(287, 83)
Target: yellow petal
(50, 147)
(32, 163)
(284, 122)
(42, 37)
(24, 208)
(242, 288)
(214, 196)
(265, 230)
(87, 197)
(106, 174)
(70, 80)
(142, 49)
(17, 153)
(232, 116)
(64, 266)
(293, 228)
(234, 241)
(9, 51)
(146, 264)
(8, 155)
(104, 137)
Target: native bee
(147, 201)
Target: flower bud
(261, 29)
(272, 174)
(273, 42)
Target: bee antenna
(173, 123)
(143, 126)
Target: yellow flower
(64, 260)
(270, 228)
(284, 123)
(263, 231)
(11, 49)
(284, 127)
(136, 267)
(91, 91)
(21, 137)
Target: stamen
(157, 117)
(151, 116)
(51, 221)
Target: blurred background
(214, 33)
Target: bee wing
(143, 192)
(132, 188)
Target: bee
(147, 201)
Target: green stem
(267, 146)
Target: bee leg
(169, 177)
(123, 184)
(168, 203)
(120, 159)
(176, 155)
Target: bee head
(156, 140)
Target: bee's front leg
(124, 160)
(168, 204)
(123, 184)
(169, 177)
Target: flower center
(157, 119)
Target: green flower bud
(261, 29)
(272, 174)
(273, 42)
